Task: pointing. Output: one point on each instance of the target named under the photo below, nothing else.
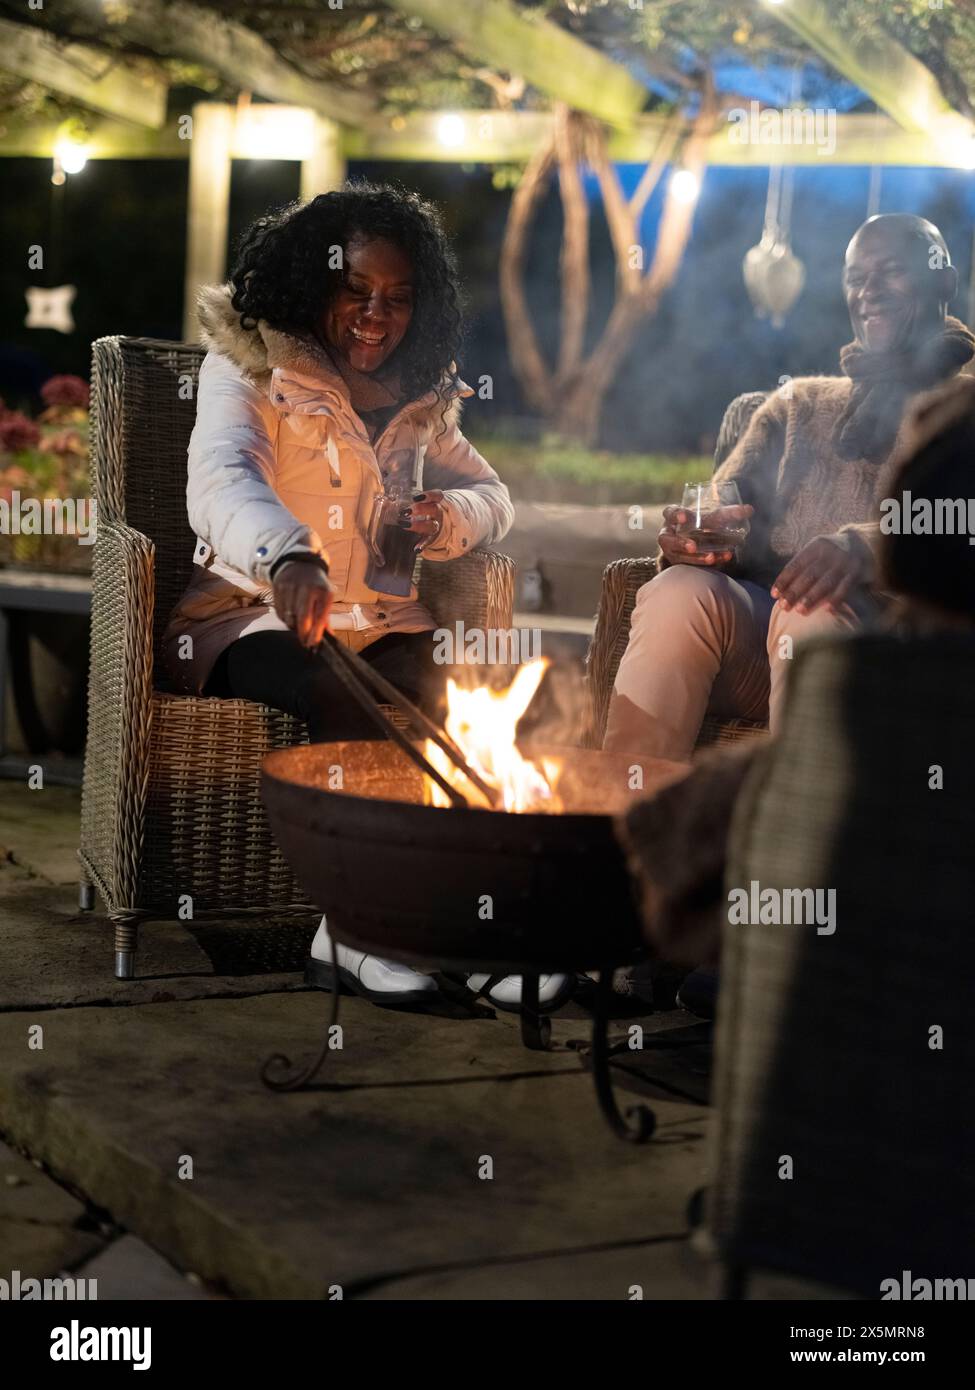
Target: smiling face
(895, 285)
(371, 310)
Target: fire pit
(465, 889)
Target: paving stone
(662, 1269)
(665, 1270)
(51, 954)
(128, 1268)
(43, 1228)
(41, 828)
(374, 1175)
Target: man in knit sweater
(714, 633)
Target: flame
(482, 723)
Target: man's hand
(424, 516)
(679, 549)
(302, 599)
(822, 573)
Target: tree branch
(574, 259)
(526, 357)
(661, 157)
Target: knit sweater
(786, 467)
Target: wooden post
(325, 167)
(209, 205)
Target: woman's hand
(424, 516)
(821, 573)
(303, 599)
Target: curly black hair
(282, 272)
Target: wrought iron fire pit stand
(367, 687)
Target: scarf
(379, 390)
(882, 382)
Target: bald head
(916, 235)
(899, 280)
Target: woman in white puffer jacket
(329, 383)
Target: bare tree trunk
(571, 397)
(635, 303)
(581, 404)
(574, 264)
(526, 357)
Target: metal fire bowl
(460, 889)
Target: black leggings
(275, 669)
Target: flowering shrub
(65, 390)
(45, 458)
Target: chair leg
(86, 894)
(126, 941)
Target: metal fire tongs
(367, 687)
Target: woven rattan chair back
(824, 1049)
(143, 412)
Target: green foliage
(552, 471)
(408, 66)
(942, 38)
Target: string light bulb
(685, 186)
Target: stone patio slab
(381, 1177)
(55, 956)
(43, 1229)
(128, 1264)
(668, 1270)
(40, 829)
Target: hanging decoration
(51, 308)
(774, 275)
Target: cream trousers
(703, 643)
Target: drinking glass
(708, 523)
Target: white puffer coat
(279, 462)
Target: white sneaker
(553, 991)
(382, 981)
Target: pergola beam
(494, 138)
(236, 53)
(500, 137)
(96, 78)
(898, 82)
(496, 33)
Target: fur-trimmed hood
(258, 351)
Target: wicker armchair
(622, 580)
(824, 1047)
(171, 817)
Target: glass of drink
(710, 523)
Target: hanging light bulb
(71, 156)
(450, 131)
(685, 185)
